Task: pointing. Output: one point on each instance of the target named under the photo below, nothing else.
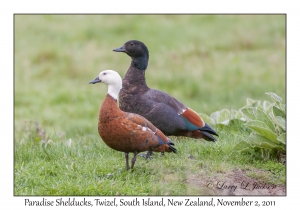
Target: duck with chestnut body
(123, 131)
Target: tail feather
(194, 122)
(208, 136)
(164, 143)
(173, 149)
(208, 129)
(170, 142)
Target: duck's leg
(126, 157)
(149, 154)
(133, 159)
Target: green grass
(209, 62)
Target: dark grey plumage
(167, 113)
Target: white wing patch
(145, 128)
(182, 111)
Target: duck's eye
(104, 73)
(131, 43)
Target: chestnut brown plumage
(123, 131)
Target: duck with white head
(123, 131)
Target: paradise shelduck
(165, 112)
(123, 131)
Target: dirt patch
(235, 182)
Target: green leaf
(222, 116)
(233, 113)
(250, 101)
(261, 128)
(248, 113)
(282, 138)
(280, 122)
(242, 146)
(282, 107)
(215, 116)
(253, 113)
(262, 116)
(236, 114)
(257, 104)
(275, 98)
(279, 130)
(278, 112)
(263, 142)
(267, 106)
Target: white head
(112, 79)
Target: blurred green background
(209, 62)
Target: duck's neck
(135, 76)
(113, 91)
(140, 63)
(108, 108)
(134, 79)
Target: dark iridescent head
(135, 49)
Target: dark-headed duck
(165, 112)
